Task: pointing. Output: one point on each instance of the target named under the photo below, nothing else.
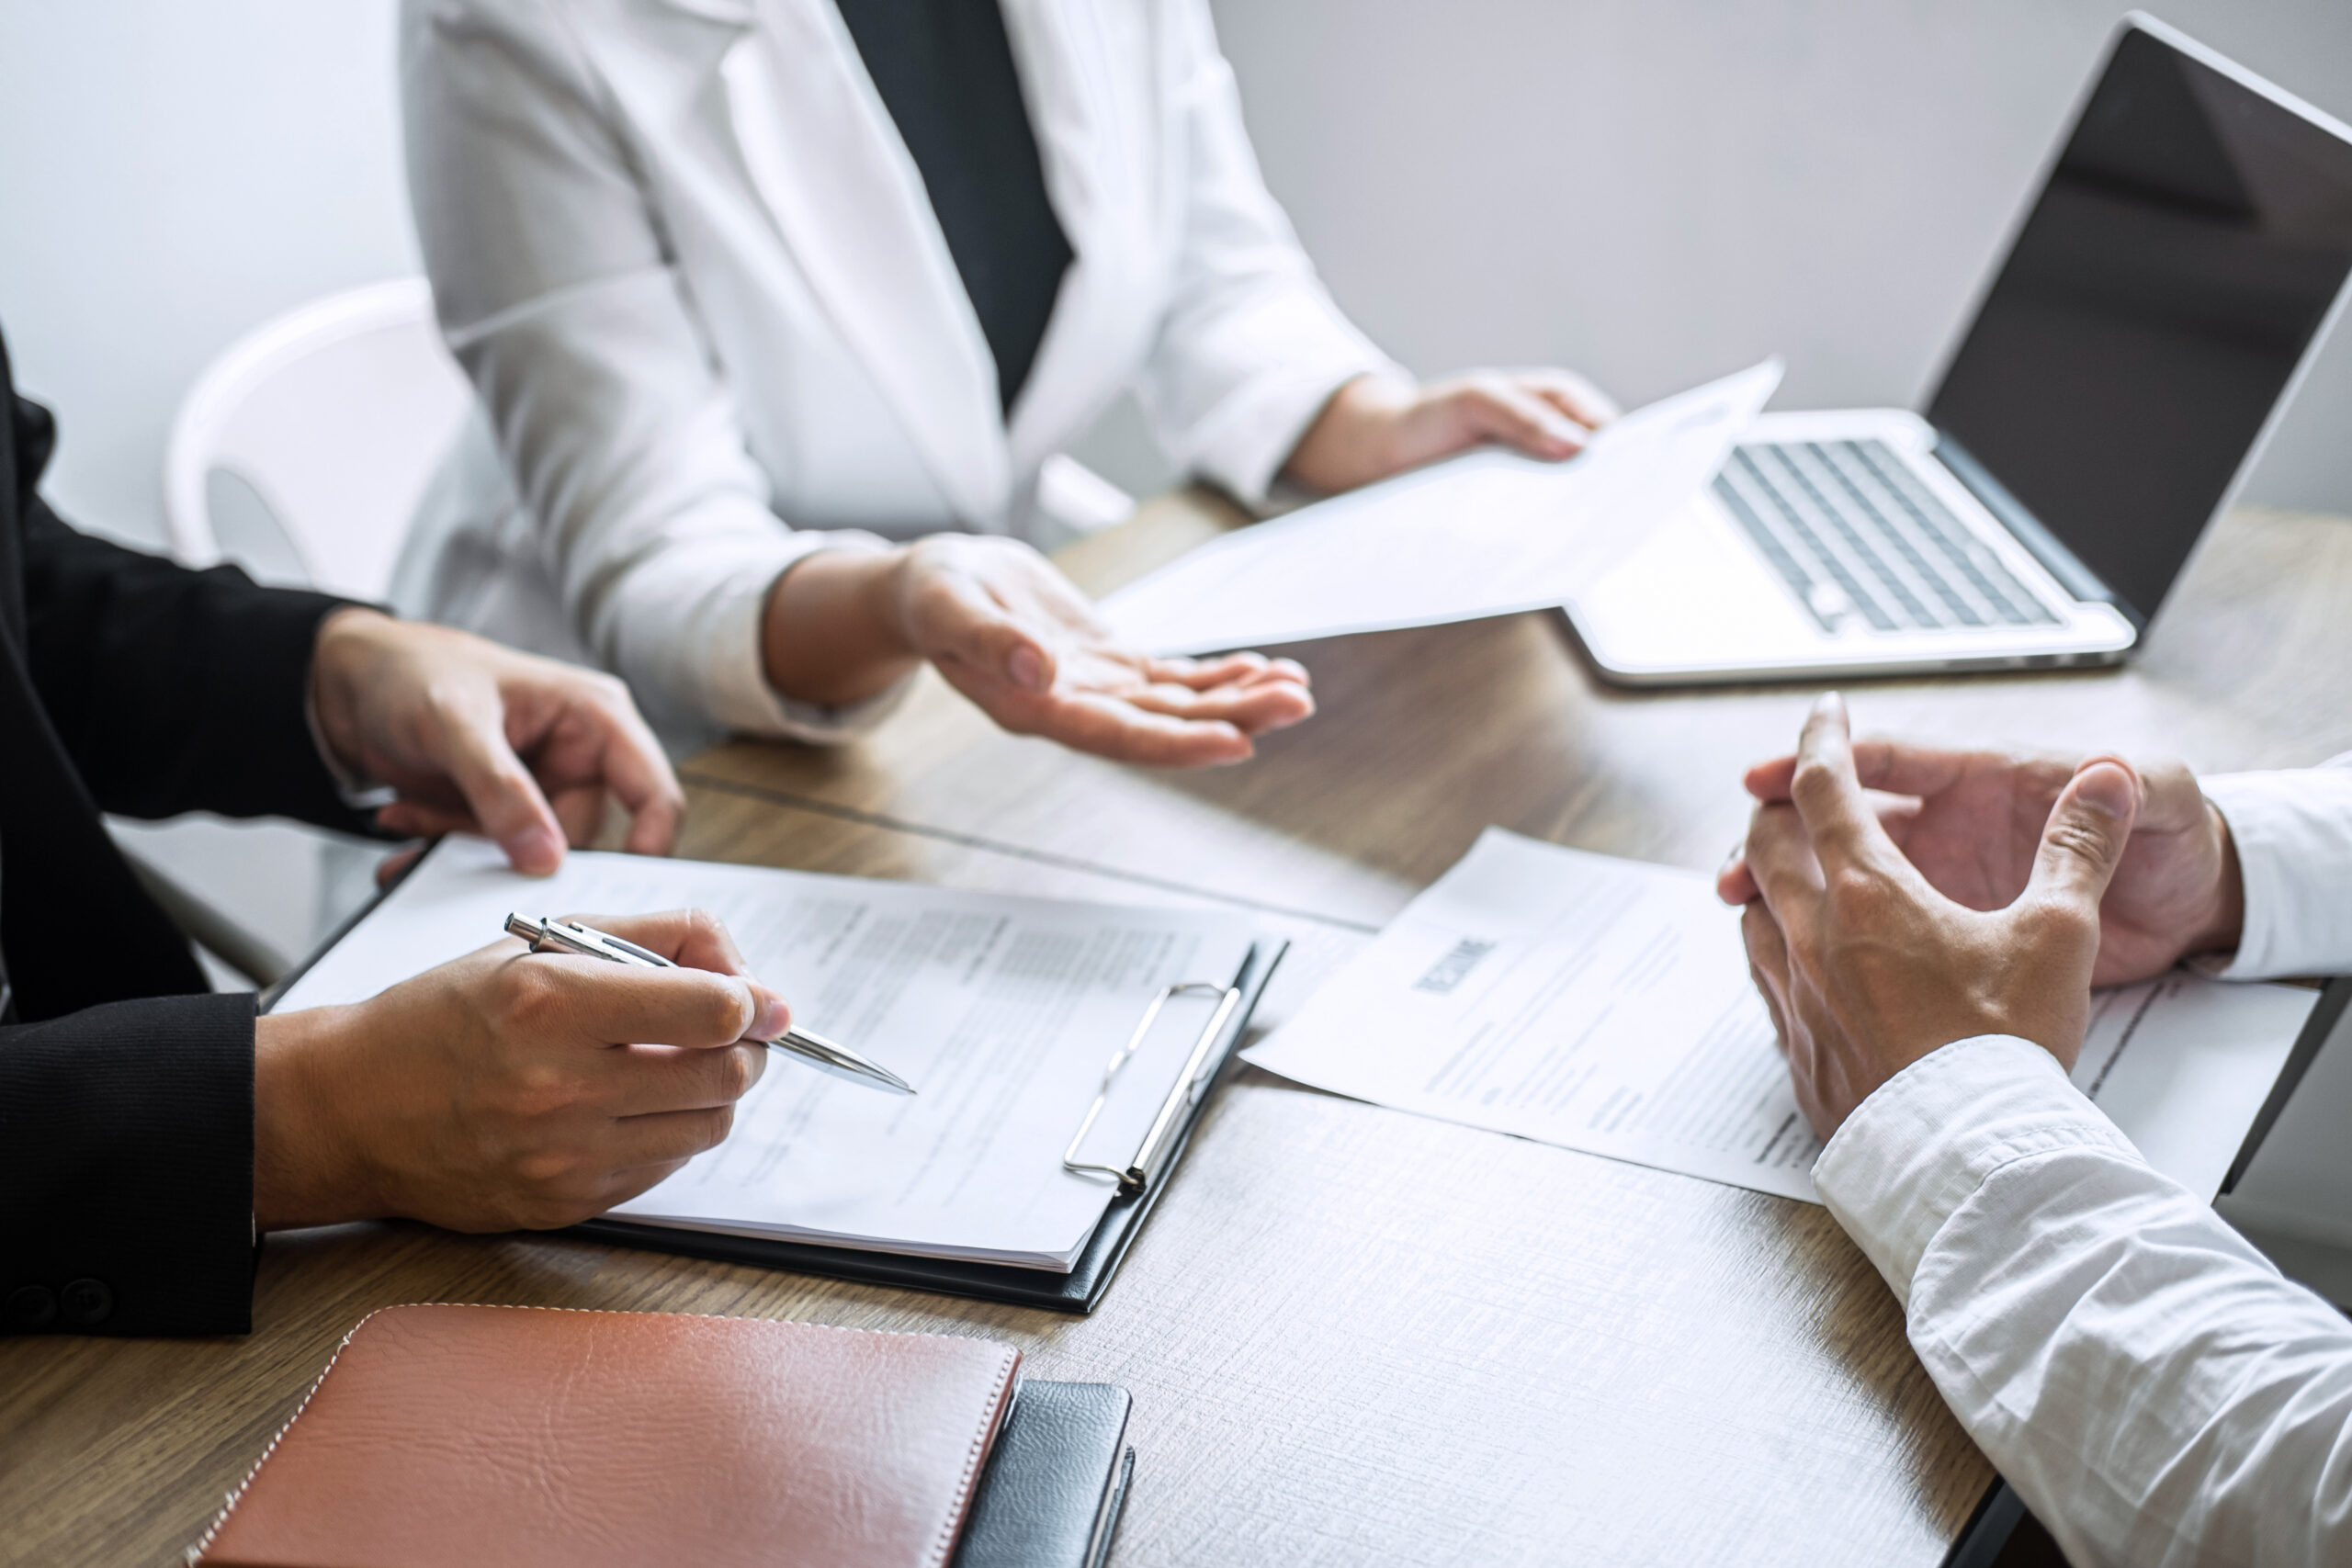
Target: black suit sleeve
(126, 1170)
(175, 690)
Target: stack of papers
(1490, 534)
(1001, 1012)
(1605, 1005)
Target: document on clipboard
(1057, 1048)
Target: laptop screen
(2187, 248)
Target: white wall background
(173, 171)
(1652, 190)
(1657, 191)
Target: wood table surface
(1354, 1336)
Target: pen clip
(570, 936)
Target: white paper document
(1001, 1012)
(1605, 1005)
(1488, 534)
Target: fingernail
(773, 1019)
(1027, 670)
(2109, 787)
(537, 851)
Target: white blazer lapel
(830, 168)
(1086, 83)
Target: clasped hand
(1974, 894)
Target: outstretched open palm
(1015, 636)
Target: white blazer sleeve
(557, 292)
(2154, 1389)
(1250, 345)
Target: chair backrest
(337, 415)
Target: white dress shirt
(2156, 1391)
(687, 260)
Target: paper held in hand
(1003, 1011)
(1605, 1005)
(1490, 534)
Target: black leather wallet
(1055, 1483)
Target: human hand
(1378, 425)
(1015, 636)
(1973, 821)
(1866, 968)
(509, 1089)
(476, 738)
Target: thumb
(2084, 840)
(986, 638)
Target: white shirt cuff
(701, 661)
(2293, 833)
(1932, 1135)
(1247, 440)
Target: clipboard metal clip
(1151, 1155)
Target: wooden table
(1354, 1336)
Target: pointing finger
(639, 775)
(1828, 795)
(498, 789)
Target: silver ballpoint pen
(825, 1056)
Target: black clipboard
(2317, 1029)
(1079, 1290)
(274, 992)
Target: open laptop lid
(2187, 249)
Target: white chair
(337, 414)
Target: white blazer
(690, 266)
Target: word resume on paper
(1605, 1005)
(1003, 1011)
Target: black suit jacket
(129, 684)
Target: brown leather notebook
(446, 1436)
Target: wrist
(1353, 440)
(834, 630)
(308, 1170)
(2223, 925)
(339, 657)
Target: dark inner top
(944, 71)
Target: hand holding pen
(502, 1091)
(826, 1056)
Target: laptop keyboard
(1853, 532)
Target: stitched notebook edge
(1010, 1360)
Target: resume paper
(1490, 534)
(1605, 1005)
(1001, 1012)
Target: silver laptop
(2186, 254)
